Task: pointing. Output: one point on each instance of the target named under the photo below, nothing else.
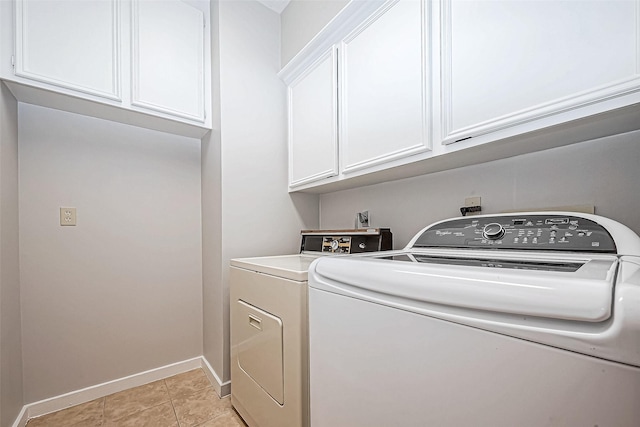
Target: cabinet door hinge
(13, 61)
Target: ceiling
(276, 5)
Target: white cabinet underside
(140, 62)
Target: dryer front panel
(260, 348)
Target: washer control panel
(529, 232)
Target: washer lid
(584, 294)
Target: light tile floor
(184, 400)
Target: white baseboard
(77, 397)
(222, 388)
(22, 419)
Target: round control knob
(362, 245)
(334, 245)
(493, 231)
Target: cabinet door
(71, 44)
(312, 122)
(509, 62)
(168, 57)
(384, 91)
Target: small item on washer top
(466, 209)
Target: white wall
(257, 215)
(302, 20)
(10, 325)
(121, 292)
(604, 173)
(11, 400)
(214, 320)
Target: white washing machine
(529, 319)
(269, 341)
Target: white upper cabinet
(312, 122)
(425, 86)
(511, 62)
(72, 44)
(141, 62)
(168, 57)
(384, 87)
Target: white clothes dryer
(269, 340)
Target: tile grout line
(104, 415)
(141, 410)
(175, 414)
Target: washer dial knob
(493, 231)
(334, 245)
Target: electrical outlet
(362, 219)
(471, 206)
(67, 216)
(472, 201)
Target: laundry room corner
(11, 386)
(246, 208)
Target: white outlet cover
(67, 216)
(472, 201)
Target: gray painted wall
(301, 20)
(603, 173)
(121, 292)
(11, 399)
(246, 203)
(214, 321)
